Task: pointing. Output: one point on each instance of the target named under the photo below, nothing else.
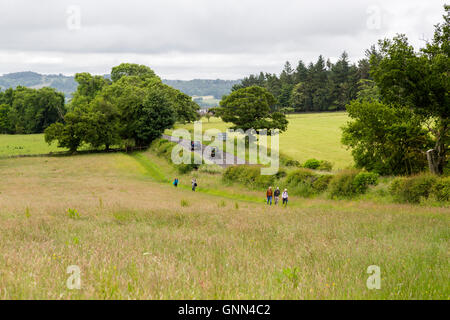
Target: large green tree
(250, 108)
(26, 110)
(72, 133)
(145, 108)
(385, 139)
(419, 81)
(132, 69)
(132, 110)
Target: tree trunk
(432, 163)
(437, 157)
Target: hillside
(67, 84)
(203, 87)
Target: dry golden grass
(136, 238)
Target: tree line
(25, 110)
(400, 120)
(397, 99)
(320, 86)
(132, 109)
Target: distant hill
(35, 80)
(197, 87)
(201, 87)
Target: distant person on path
(277, 195)
(194, 184)
(285, 197)
(175, 182)
(269, 195)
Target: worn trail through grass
(157, 174)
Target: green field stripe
(151, 168)
(154, 171)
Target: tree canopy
(132, 110)
(419, 81)
(24, 110)
(402, 116)
(320, 86)
(251, 108)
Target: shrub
(412, 189)
(301, 175)
(184, 168)
(248, 175)
(304, 182)
(342, 184)
(163, 147)
(311, 164)
(322, 182)
(441, 189)
(349, 183)
(288, 162)
(281, 173)
(325, 165)
(363, 179)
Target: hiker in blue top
(175, 182)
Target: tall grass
(141, 243)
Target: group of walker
(193, 183)
(269, 194)
(276, 195)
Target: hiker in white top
(194, 184)
(285, 197)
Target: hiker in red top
(269, 195)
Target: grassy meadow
(25, 144)
(137, 237)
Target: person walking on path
(276, 194)
(175, 182)
(269, 195)
(285, 197)
(194, 184)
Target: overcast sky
(187, 39)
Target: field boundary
(68, 154)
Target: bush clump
(322, 182)
(305, 182)
(163, 147)
(248, 175)
(311, 164)
(441, 189)
(342, 184)
(315, 164)
(412, 189)
(365, 179)
(325, 165)
(349, 183)
(288, 162)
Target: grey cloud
(267, 32)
